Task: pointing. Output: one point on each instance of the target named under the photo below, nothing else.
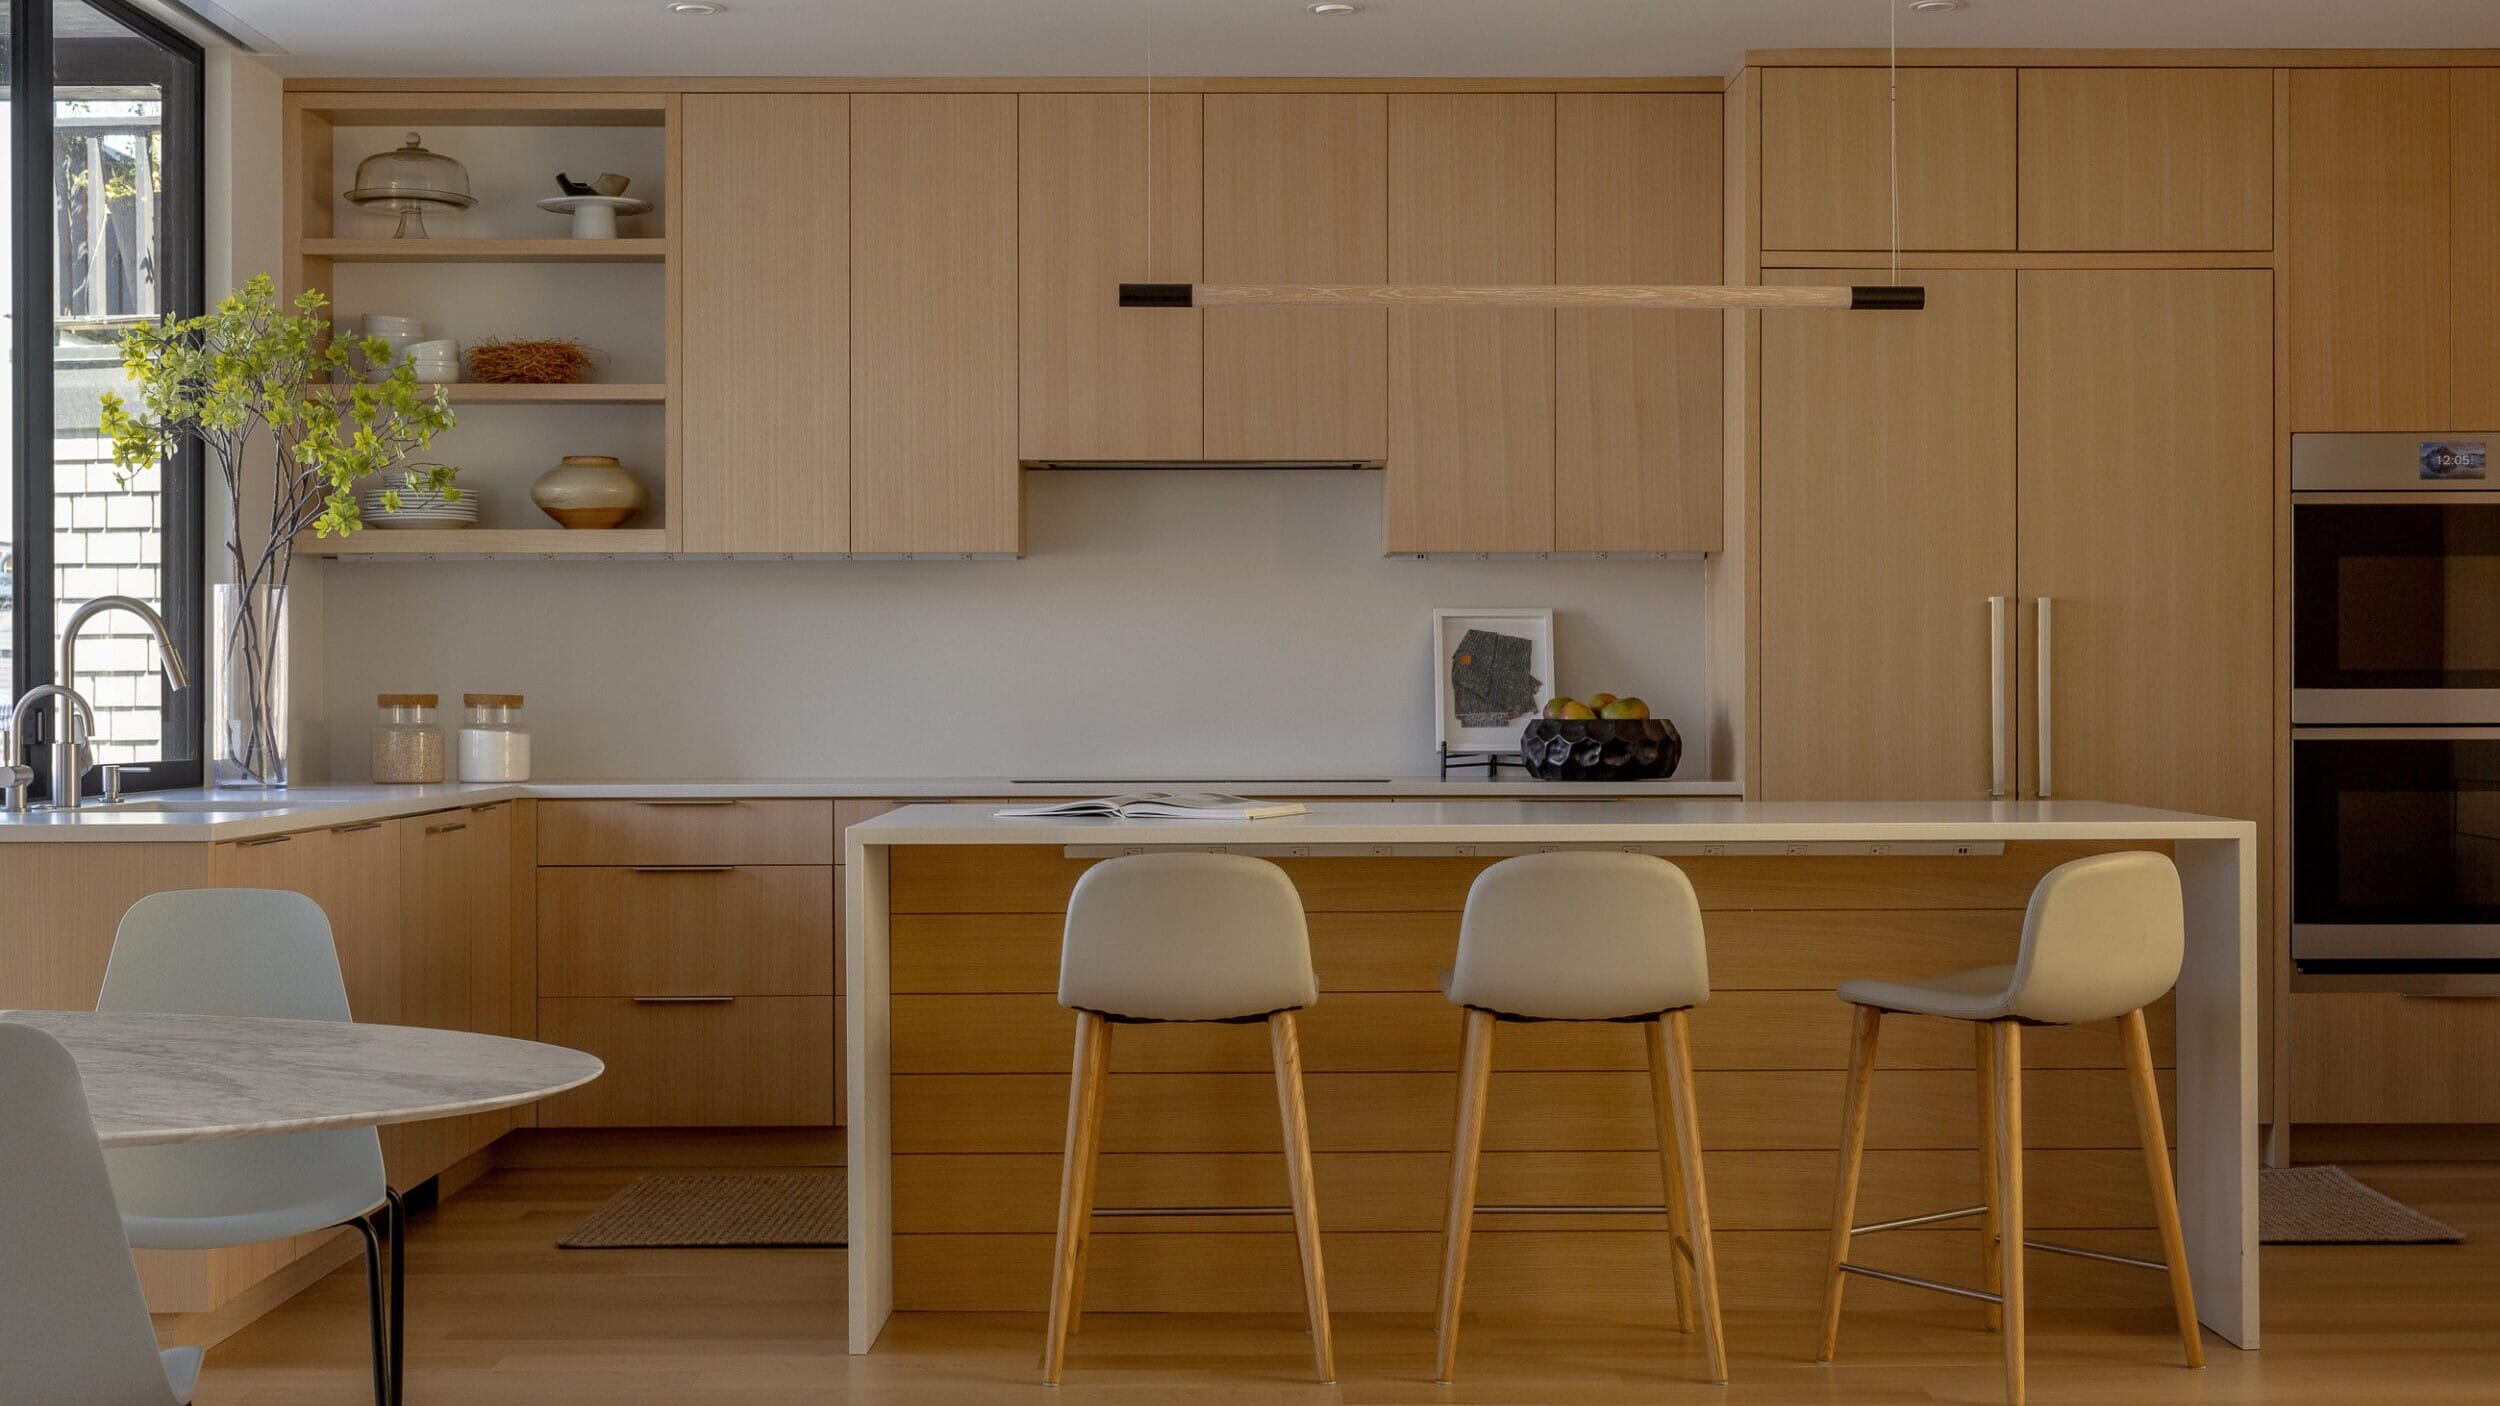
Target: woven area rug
(2325, 1206)
(774, 1210)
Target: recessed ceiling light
(695, 7)
(1936, 7)
(1334, 7)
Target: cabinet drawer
(704, 931)
(685, 832)
(755, 1061)
(2378, 1057)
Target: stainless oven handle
(2047, 654)
(2318, 733)
(1996, 698)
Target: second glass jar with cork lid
(494, 742)
(407, 739)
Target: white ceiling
(1270, 37)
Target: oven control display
(2452, 458)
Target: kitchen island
(957, 1060)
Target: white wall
(1166, 623)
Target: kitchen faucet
(67, 770)
(17, 779)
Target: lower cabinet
(675, 946)
(2380, 1057)
(455, 962)
(695, 1061)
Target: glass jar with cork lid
(494, 742)
(407, 740)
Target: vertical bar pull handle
(2047, 657)
(1996, 697)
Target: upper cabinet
(2395, 213)
(1471, 390)
(764, 352)
(1099, 381)
(1826, 159)
(933, 324)
(1297, 190)
(1636, 428)
(2147, 158)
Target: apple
(1599, 702)
(1553, 706)
(1628, 708)
(1575, 709)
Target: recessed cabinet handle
(685, 868)
(1996, 697)
(357, 828)
(687, 803)
(2047, 656)
(447, 827)
(262, 840)
(683, 1000)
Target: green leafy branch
(251, 373)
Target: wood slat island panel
(980, 1055)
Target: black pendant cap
(1156, 295)
(1882, 297)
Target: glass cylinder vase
(247, 655)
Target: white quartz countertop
(200, 815)
(1438, 827)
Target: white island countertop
(204, 815)
(2216, 994)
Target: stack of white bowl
(418, 507)
(400, 332)
(437, 361)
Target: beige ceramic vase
(588, 491)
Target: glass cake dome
(409, 179)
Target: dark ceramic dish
(1601, 749)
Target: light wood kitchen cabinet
(352, 872)
(1826, 172)
(1099, 381)
(765, 351)
(1888, 522)
(694, 947)
(2381, 1057)
(455, 963)
(933, 324)
(2474, 235)
(2146, 487)
(1471, 390)
(2147, 158)
(1297, 191)
(2393, 193)
(1636, 423)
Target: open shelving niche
(505, 268)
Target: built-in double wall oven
(2396, 710)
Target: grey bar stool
(2102, 939)
(1155, 938)
(1586, 935)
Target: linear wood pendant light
(1894, 296)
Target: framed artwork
(1492, 670)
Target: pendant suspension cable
(1151, 6)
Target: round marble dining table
(157, 1079)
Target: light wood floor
(499, 1317)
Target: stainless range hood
(1086, 464)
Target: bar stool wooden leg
(1673, 1037)
(2008, 1171)
(2148, 1126)
(1288, 1049)
(1093, 1165)
(1989, 1278)
(1076, 1202)
(1868, 1025)
(1475, 1076)
(1670, 1167)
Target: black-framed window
(106, 166)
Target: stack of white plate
(437, 361)
(418, 507)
